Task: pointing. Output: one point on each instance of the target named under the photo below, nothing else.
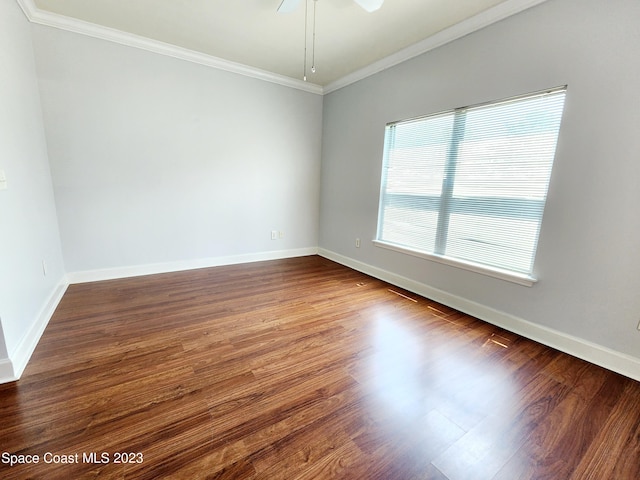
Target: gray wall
(588, 259)
(157, 160)
(28, 226)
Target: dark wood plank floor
(304, 369)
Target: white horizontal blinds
(503, 168)
(415, 158)
(493, 167)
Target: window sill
(520, 279)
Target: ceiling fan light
(288, 6)
(370, 5)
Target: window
(468, 186)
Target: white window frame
(439, 254)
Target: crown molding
(35, 15)
(459, 30)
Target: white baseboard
(11, 369)
(168, 267)
(6, 371)
(597, 354)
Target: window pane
(417, 156)
(490, 241)
(502, 176)
(410, 227)
(508, 149)
(416, 153)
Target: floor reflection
(440, 400)
(396, 368)
(410, 376)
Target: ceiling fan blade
(369, 5)
(288, 6)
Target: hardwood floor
(303, 369)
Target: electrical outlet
(274, 234)
(357, 243)
(280, 234)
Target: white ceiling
(253, 34)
